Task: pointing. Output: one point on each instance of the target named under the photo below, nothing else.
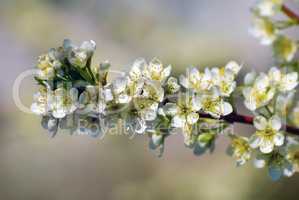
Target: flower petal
(254, 141)
(279, 139)
(233, 66)
(178, 121)
(249, 78)
(184, 81)
(192, 118)
(260, 122)
(275, 122)
(266, 146)
(170, 109)
(259, 163)
(226, 109)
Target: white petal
(108, 95)
(254, 141)
(262, 82)
(161, 112)
(38, 109)
(260, 122)
(233, 66)
(124, 98)
(101, 106)
(88, 46)
(275, 122)
(249, 78)
(196, 103)
(193, 74)
(184, 81)
(259, 163)
(279, 139)
(274, 74)
(166, 72)
(74, 94)
(178, 121)
(170, 109)
(289, 81)
(141, 126)
(288, 172)
(192, 118)
(247, 92)
(119, 85)
(266, 146)
(155, 66)
(59, 113)
(226, 109)
(150, 113)
(137, 68)
(92, 91)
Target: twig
(243, 119)
(290, 13)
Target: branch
(243, 119)
(291, 14)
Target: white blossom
(268, 134)
(264, 30)
(64, 102)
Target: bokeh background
(181, 33)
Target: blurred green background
(181, 33)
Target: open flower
(120, 90)
(213, 104)
(285, 48)
(42, 100)
(284, 82)
(264, 29)
(172, 86)
(258, 91)
(267, 135)
(64, 102)
(49, 63)
(78, 56)
(268, 8)
(147, 99)
(239, 149)
(184, 113)
(196, 80)
(88, 100)
(155, 71)
(224, 78)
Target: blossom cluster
(84, 99)
(76, 96)
(269, 28)
(271, 96)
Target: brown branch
(290, 13)
(237, 118)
